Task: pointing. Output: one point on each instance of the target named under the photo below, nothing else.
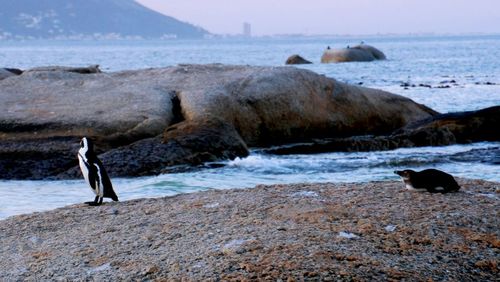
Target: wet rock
(211, 139)
(466, 127)
(8, 72)
(358, 53)
(34, 159)
(81, 70)
(441, 130)
(296, 60)
(184, 143)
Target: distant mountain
(88, 19)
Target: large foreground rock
(44, 112)
(303, 232)
(358, 53)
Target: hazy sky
(335, 16)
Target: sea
(446, 73)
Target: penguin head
(86, 145)
(405, 174)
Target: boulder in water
(358, 53)
(296, 60)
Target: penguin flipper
(93, 177)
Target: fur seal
(94, 173)
(433, 180)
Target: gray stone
(82, 70)
(296, 60)
(6, 72)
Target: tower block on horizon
(247, 29)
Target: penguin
(94, 173)
(432, 180)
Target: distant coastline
(210, 36)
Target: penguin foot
(93, 203)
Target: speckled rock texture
(301, 232)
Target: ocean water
(468, 65)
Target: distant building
(247, 30)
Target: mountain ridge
(78, 19)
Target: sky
(313, 17)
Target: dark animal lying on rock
(433, 180)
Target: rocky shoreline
(299, 232)
(144, 122)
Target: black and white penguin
(433, 180)
(94, 173)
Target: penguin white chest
(83, 167)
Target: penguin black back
(433, 180)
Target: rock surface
(440, 130)
(358, 53)
(257, 105)
(303, 232)
(461, 127)
(82, 70)
(6, 72)
(296, 60)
